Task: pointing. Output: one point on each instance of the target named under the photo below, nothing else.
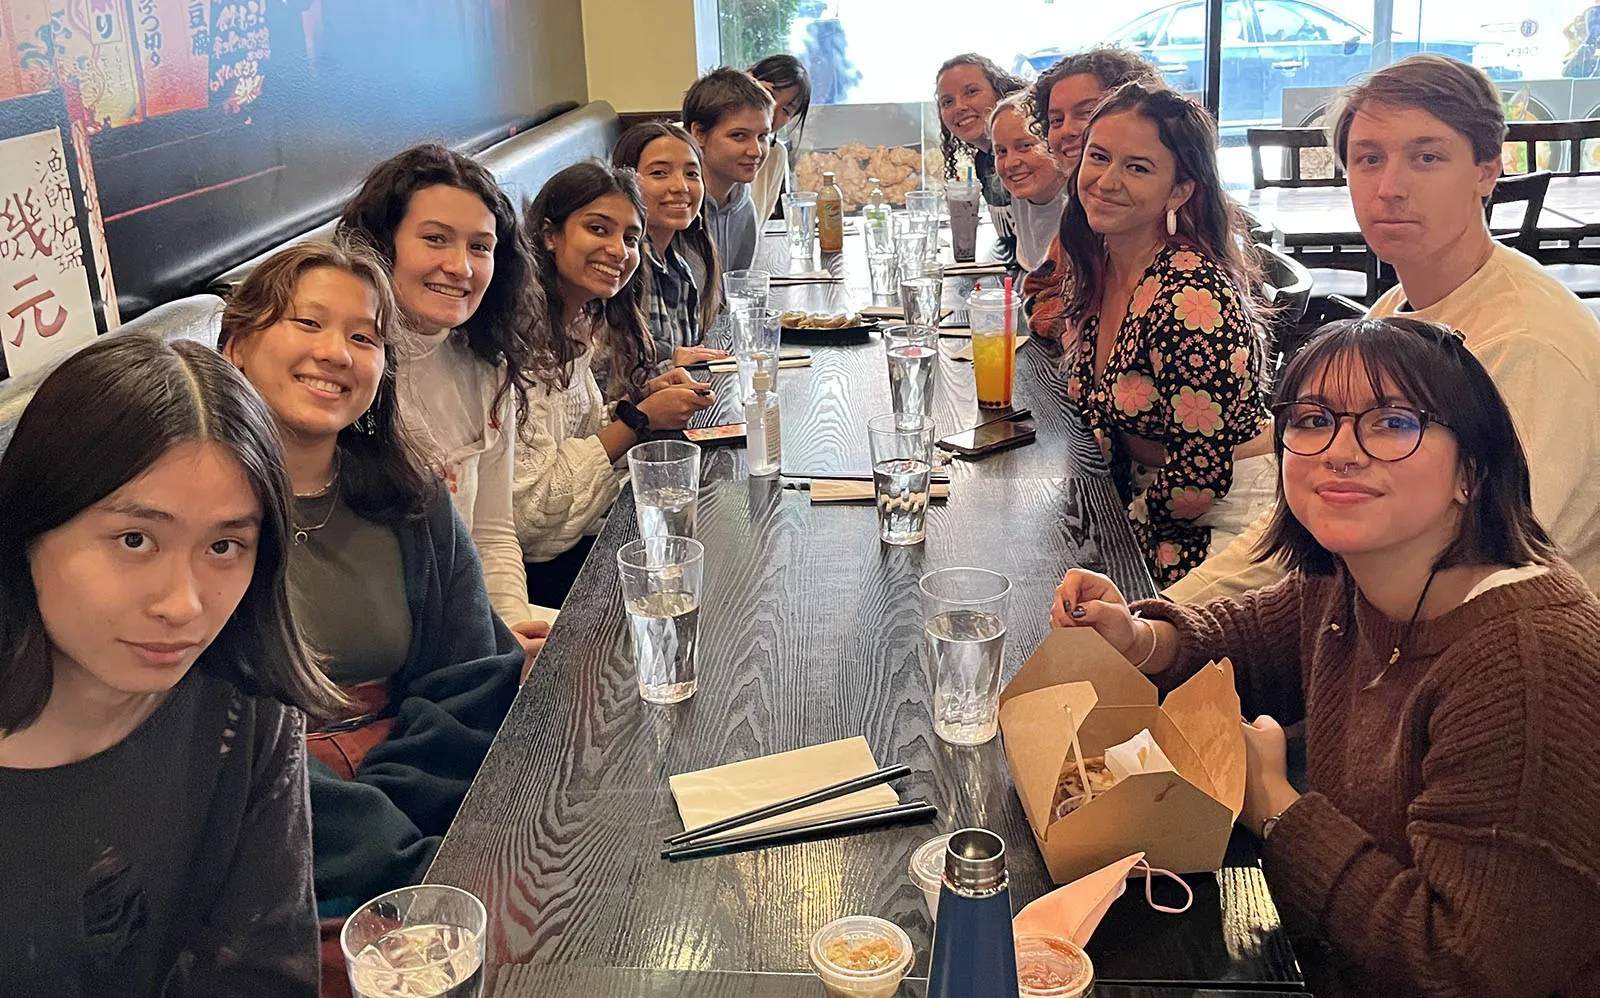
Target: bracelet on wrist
(1154, 643)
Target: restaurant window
(1281, 61)
(872, 64)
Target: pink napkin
(1074, 911)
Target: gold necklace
(301, 533)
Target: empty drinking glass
(757, 341)
(800, 211)
(902, 466)
(746, 288)
(883, 272)
(425, 940)
(913, 353)
(921, 289)
(929, 203)
(666, 487)
(964, 610)
(661, 588)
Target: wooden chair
(1527, 189)
(1568, 134)
(1293, 142)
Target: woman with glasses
(1445, 661)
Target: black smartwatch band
(634, 419)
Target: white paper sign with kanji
(45, 307)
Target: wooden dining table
(1324, 216)
(810, 630)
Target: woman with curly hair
(463, 277)
(967, 87)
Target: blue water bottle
(974, 955)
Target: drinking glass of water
(666, 487)
(416, 942)
(661, 588)
(902, 465)
(964, 610)
(929, 204)
(746, 288)
(913, 353)
(800, 210)
(757, 342)
(882, 270)
(921, 289)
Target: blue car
(1267, 45)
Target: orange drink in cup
(993, 316)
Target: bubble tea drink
(963, 198)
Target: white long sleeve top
(564, 480)
(446, 403)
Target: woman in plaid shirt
(683, 286)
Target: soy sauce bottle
(974, 954)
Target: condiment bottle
(763, 434)
(830, 215)
(974, 953)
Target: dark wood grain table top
(539, 981)
(810, 631)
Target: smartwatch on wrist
(635, 419)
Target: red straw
(1008, 328)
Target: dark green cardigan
(380, 830)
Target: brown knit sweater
(1450, 841)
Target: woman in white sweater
(463, 277)
(585, 228)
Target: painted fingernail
(1077, 612)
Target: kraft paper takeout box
(1180, 820)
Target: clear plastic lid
(927, 863)
(861, 949)
(1052, 967)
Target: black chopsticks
(910, 812)
(888, 774)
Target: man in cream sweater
(1421, 142)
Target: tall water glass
(884, 273)
(661, 579)
(964, 614)
(666, 487)
(746, 288)
(902, 466)
(929, 203)
(757, 339)
(425, 940)
(921, 290)
(913, 353)
(800, 211)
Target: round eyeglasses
(1384, 432)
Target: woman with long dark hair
(786, 79)
(1444, 660)
(153, 809)
(586, 227)
(461, 272)
(1168, 362)
(966, 89)
(682, 279)
(385, 581)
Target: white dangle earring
(1172, 221)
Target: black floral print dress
(1183, 373)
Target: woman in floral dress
(1168, 364)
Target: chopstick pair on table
(684, 845)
